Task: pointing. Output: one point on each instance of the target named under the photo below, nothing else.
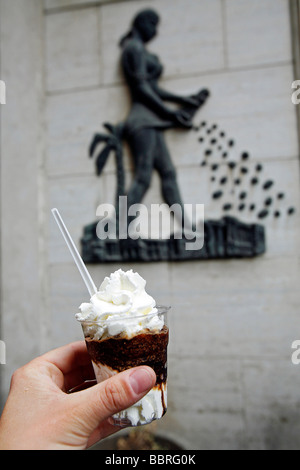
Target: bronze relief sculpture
(148, 119)
(149, 116)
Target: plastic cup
(115, 353)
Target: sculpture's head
(145, 23)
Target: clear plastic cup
(114, 352)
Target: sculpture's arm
(191, 103)
(166, 95)
(153, 100)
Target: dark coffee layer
(119, 353)
(163, 400)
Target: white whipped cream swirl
(121, 306)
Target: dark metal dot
(237, 181)
(262, 214)
(291, 210)
(259, 167)
(208, 152)
(214, 127)
(224, 155)
(268, 184)
(245, 156)
(208, 131)
(244, 170)
(201, 139)
(214, 167)
(227, 207)
(217, 194)
(213, 141)
(231, 143)
(223, 180)
(277, 214)
(280, 195)
(203, 123)
(268, 202)
(213, 178)
(243, 195)
(232, 165)
(203, 163)
(252, 207)
(254, 181)
(241, 207)
(222, 134)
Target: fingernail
(141, 380)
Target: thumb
(115, 394)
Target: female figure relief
(148, 116)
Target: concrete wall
(231, 381)
(22, 183)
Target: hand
(189, 101)
(195, 100)
(201, 97)
(182, 119)
(40, 414)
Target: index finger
(69, 357)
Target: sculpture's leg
(169, 185)
(142, 146)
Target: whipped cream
(152, 406)
(121, 306)
(146, 410)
